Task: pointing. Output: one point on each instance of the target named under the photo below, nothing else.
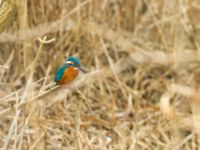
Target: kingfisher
(68, 71)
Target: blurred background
(142, 88)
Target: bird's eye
(70, 62)
(76, 65)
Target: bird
(69, 71)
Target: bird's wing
(60, 71)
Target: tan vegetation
(142, 91)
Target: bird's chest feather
(69, 74)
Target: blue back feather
(60, 71)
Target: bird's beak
(83, 69)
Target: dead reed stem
(77, 122)
(8, 11)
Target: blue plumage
(60, 71)
(74, 60)
(71, 62)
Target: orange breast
(69, 75)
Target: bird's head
(75, 62)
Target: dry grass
(142, 91)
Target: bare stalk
(77, 126)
